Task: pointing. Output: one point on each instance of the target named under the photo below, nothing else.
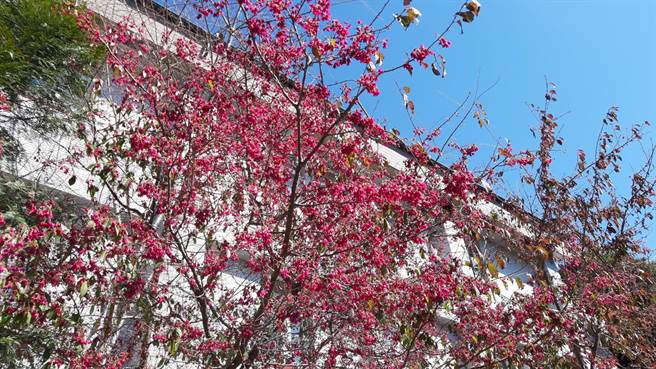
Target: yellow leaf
(545, 253)
(505, 152)
(492, 269)
(414, 14)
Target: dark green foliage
(15, 354)
(46, 61)
(42, 49)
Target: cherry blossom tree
(242, 215)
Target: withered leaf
(474, 6)
(467, 16)
(436, 71)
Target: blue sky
(600, 53)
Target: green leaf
(406, 338)
(173, 347)
(404, 20)
(92, 190)
(84, 287)
(412, 16)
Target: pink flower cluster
(420, 54)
